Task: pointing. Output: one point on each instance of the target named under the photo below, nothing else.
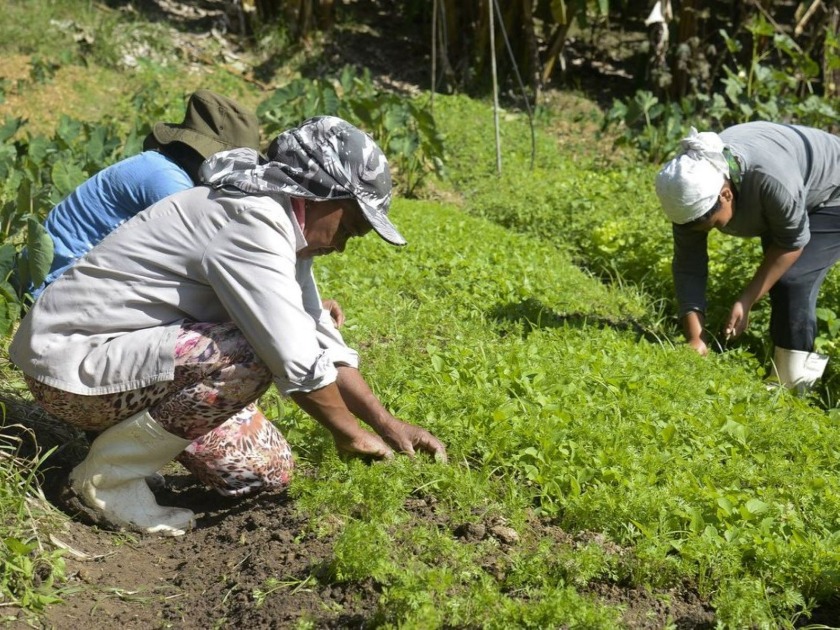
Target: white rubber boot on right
(798, 370)
(112, 478)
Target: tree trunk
(326, 14)
(831, 76)
(532, 47)
(658, 76)
(299, 16)
(686, 32)
(558, 42)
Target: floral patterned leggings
(211, 401)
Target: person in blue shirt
(168, 164)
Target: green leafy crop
(402, 126)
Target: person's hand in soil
(408, 439)
(699, 345)
(365, 444)
(403, 437)
(337, 406)
(693, 323)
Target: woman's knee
(216, 362)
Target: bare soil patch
(257, 563)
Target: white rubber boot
(156, 482)
(798, 370)
(112, 478)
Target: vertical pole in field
(495, 88)
(434, 54)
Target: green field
(529, 325)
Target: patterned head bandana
(324, 158)
(688, 185)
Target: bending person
(183, 317)
(780, 183)
(169, 163)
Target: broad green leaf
(330, 101)
(18, 547)
(725, 505)
(24, 198)
(9, 312)
(68, 130)
(8, 156)
(825, 314)
(39, 246)
(133, 144)
(66, 177)
(396, 119)
(10, 127)
(38, 148)
(95, 146)
(756, 506)
(7, 260)
(761, 27)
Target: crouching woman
(180, 319)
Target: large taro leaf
(10, 127)
(7, 260)
(66, 176)
(9, 308)
(39, 248)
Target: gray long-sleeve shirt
(110, 323)
(788, 171)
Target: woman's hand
(739, 319)
(327, 407)
(693, 326)
(699, 345)
(335, 311)
(401, 436)
(776, 263)
(408, 439)
(363, 444)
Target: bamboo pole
(495, 89)
(434, 55)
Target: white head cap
(688, 185)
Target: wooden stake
(495, 89)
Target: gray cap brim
(382, 225)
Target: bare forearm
(693, 323)
(360, 400)
(775, 264)
(327, 406)
(401, 436)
